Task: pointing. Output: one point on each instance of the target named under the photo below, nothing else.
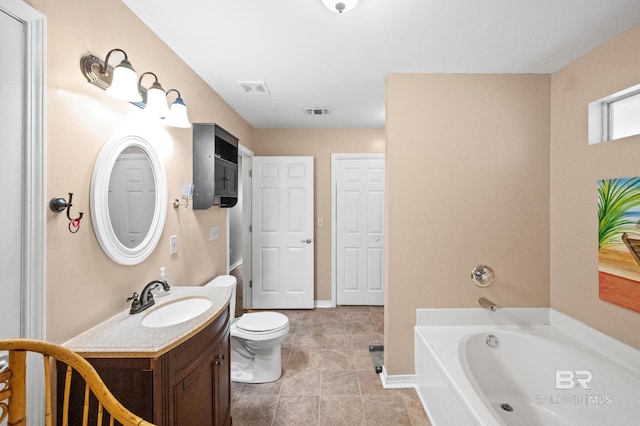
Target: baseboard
(323, 304)
(397, 381)
(235, 265)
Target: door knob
(307, 241)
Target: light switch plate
(173, 244)
(214, 233)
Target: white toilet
(255, 340)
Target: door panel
(360, 231)
(283, 249)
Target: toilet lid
(262, 321)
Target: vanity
(175, 374)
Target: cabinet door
(220, 182)
(194, 395)
(223, 382)
(232, 180)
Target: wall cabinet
(215, 166)
(189, 385)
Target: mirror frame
(100, 217)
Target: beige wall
(320, 144)
(575, 171)
(84, 286)
(467, 183)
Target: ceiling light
(340, 6)
(156, 104)
(178, 114)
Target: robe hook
(59, 204)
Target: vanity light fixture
(120, 82)
(178, 115)
(156, 104)
(340, 6)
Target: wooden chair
(13, 400)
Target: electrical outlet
(173, 244)
(214, 233)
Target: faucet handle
(136, 300)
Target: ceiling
(310, 57)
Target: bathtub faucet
(486, 303)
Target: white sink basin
(176, 312)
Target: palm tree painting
(619, 241)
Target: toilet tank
(228, 281)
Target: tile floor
(328, 376)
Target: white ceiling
(311, 57)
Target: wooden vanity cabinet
(189, 385)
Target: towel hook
(59, 204)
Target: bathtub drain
(506, 407)
(492, 341)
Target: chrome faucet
(145, 299)
(486, 303)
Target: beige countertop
(124, 336)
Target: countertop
(124, 336)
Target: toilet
(255, 340)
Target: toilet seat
(262, 322)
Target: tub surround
(444, 369)
(123, 335)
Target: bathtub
(522, 367)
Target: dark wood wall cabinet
(215, 166)
(188, 385)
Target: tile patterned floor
(328, 376)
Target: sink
(176, 312)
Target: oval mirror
(128, 198)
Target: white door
(12, 86)
(283, 239)
(359, 229)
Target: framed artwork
(619, 241)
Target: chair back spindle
(13, 395)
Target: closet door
(359, 231)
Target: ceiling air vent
(317, 111)
(254, 87)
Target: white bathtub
(546, 369)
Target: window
(616, 116)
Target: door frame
(33, 303)
(34, 269)
(335, 158)
(247, 274)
